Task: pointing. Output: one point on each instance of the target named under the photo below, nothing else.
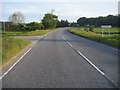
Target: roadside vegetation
(11, 46)
(29, 33)
(106, 39)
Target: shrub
(91, 28)
(34, 26)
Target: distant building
(74, 24)
(4, 25)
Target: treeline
(98, 21)
(49, 21)
(16, 23)
(63, 23)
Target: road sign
(106, 26)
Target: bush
(91, 28)
(34, 26)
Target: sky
(34, 10)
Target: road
(55, 63)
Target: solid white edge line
(18, 60)
(14, 64)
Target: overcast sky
(34, 10)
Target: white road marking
(115, 49)
(14, 64)
(70, 44)
(91, 63)
(85, 58)
(19, 59)
(63, 38)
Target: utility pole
(52, 10)
(40, 18)
(4, 26)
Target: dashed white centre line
(85, 58)
(93, 65)
(70, 44)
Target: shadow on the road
(59, 40)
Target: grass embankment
(109, 40)
(11, 46)
(29, 33)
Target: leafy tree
(17, 17)
(49, 21)
(91, 28)
(34, 26)
(63, 23)
(82, 21)
(98, 21)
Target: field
(106, 30)
(106, 39)
(28, 33)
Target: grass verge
(29, 33)
(11, 46)
(109, 40)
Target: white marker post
(106, 26)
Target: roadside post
(106, 26)
(109, 31)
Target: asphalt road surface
(56, 62)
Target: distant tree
(63, 23)
(82, 21)
(17, 17)
(50, 21)
(74, 24)
(107, 20)
(34, 26)
(91, 28)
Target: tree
(34, 26)
(63, 23)
(50, 21)
(17, 17)
(98, 21)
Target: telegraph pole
(40, 18)
(52, 10)
(4, 26)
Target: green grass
(109, 40)
(11, 46)
(29, 33)
(106, 30)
